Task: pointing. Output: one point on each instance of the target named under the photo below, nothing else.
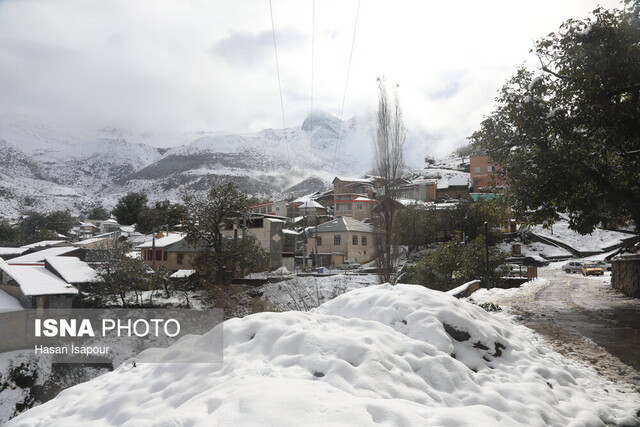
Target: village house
(267, 229)
(38, 257)
(455, 187)
(483, 171)
(270, 208)
(8, 253)
(168, 250)
(83, 230)
(342, 239)
(353, 197)
(36, 286)
(423, 190)
(73, 271)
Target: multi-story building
(353, 197)
(339, 240)
(483, 171)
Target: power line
(275, 48)
(346, 84)
(313, 44)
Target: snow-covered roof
(344, 223)
(72, 269)
(38, 257)
(93, 240)
(359, 180)
(454, 181)
(180, 274)
(165, 241)
(36, 280)
(362, 199)
(409, 202)
(87, 224)
(12, 251)
(8, 303)
(44, 243)
(310, 204)
(306, 197)
(276, 220)
(128, 228)
(286, 231)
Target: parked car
(572, 267)
(534, 261)
(592, 269)
(511, 270)
(349, 265)
(606, 266)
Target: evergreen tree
(129, 208)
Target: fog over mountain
(46, 166)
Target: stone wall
(625, 275)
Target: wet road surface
(585, 318)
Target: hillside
(45, 166)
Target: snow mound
(380, 355)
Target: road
(585, 318)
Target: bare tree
(388, 145)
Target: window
(319, 240)
(478, 169)
(364, 240)
(180, 258)
(354, 240)
(158, 255)
(359, 206)
(164, 256)
(491, 169)
(337, 239)
(344, 207)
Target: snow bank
(377, 355)
(8, 303)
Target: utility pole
(486, 250)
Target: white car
(572, 267)
(349, 265)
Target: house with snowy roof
(73, 271)
(271, 208)
(83, 230)
(423, 190)
(44, 244)
(8, 253)
(35, 286)
(169, 250)
(353, 197)
(454, 187)
(38, 257)
(342, 239)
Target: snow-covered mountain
(46, 166)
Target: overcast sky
(182, 65)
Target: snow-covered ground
(304, 293)
(8, 303)
(596, 241)
(378, 355)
